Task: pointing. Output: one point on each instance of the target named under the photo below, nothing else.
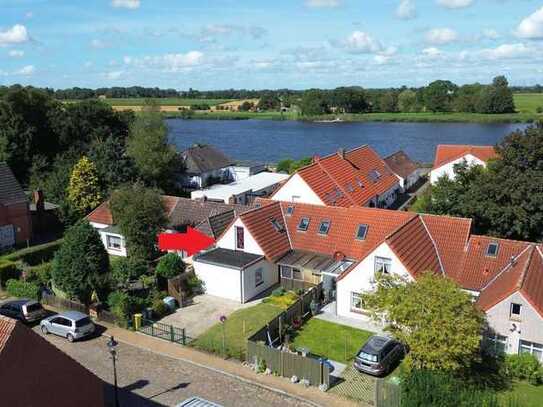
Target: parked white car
(71, 325)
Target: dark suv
(379, 355)
(23, 310)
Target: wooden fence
(262, 345)
(287, 364)
(63, 303)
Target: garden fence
(63, 303)
(164, 331)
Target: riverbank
(365, 117)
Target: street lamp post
(112, 347)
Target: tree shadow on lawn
(489, 373)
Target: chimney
(341, 152)
(316, 159)
(39, 201)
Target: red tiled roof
(415, 248)
(6, 328)
(478, 268)
(445, 153)
(532, 287)
(336, 178)
(401, 164)
(102, 214)
(274, 243)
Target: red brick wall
(19, 216)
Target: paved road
(149, 379)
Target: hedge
(22, 289)
(36, 254)
(8, 271)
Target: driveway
(150, 379)
(204, 312)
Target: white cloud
(130, 4)
(406, 10)
(168, 62)
(382, 59)
(532, 26)
(16, 53)
(322, 3)
(431, 51)
(14, 35)
(441, 36)
(506, 51)
(491, 34)
(360, 42)
(114, 75)
(26, 70)
(455, 3)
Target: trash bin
(170, 303)
(137, 321)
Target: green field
(161, 101)
(528, 102)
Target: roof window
(324, 227)
(492, 249)
(361, 232)
(374, 175)
(290, 210)
(304, 224)
(359, 182)
(276, 225)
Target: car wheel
(70, 337)
(44, 330)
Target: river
(270, 141)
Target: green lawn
(526, 394)
(333, 341)
(239, 326)
(528, 102)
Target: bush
(8, 271)
(128, 269)
(40, 275)
(539, 109)
(160, 309)
(36, 254)
(278, 292)
(170, 266)
(123, 306)
(195, 285)
(22, 289)
(524, 367)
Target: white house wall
(448, 169)
(297, 190)
(219, 281)
(529, 328)
(228, 239)
(362, 278)
(270, 276)
(113, 252)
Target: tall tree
(407, 101)
(139, 213)
(497, 98)
(438, 96)
(148, 146)
(314, 102)
(84, 188)
(434, 317)
(81, 265)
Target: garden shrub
(524, 366)
(169, 266)
(8, 270)
(124, 305)
(39, 275)
(36, 254)
(195, 285)
(160, 309)
(128, 269)
(278, 292)
(22, 289)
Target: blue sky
(218, 44)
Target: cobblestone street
(149, 379)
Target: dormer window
(303, 225)
(276, 225)
(290, 210)
(374, 175)
(324, 227)
(361, 232)
(492, 249)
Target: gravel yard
(149, 379)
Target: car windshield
(33, 307)
(82, 322)
(367, 356)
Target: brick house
(15, 218)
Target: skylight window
(374, 175)
(304, 224)
(359, 182)
(276, 225)
(324, 227)
(492, 249)
(362, 232)
(290, 210)
(338, 193)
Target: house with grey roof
(204, 165)
(15, 219)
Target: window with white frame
(356, 302)
(515, 310)
(496, 343)
(532, 348)
(297, 274)
(286, 271)
(114, 242)
(259, 277)
(382, 265)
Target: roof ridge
(397, 230)
(434, 244)
(522, 278)
(505, 268)
(336, 183)
(286, 226)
